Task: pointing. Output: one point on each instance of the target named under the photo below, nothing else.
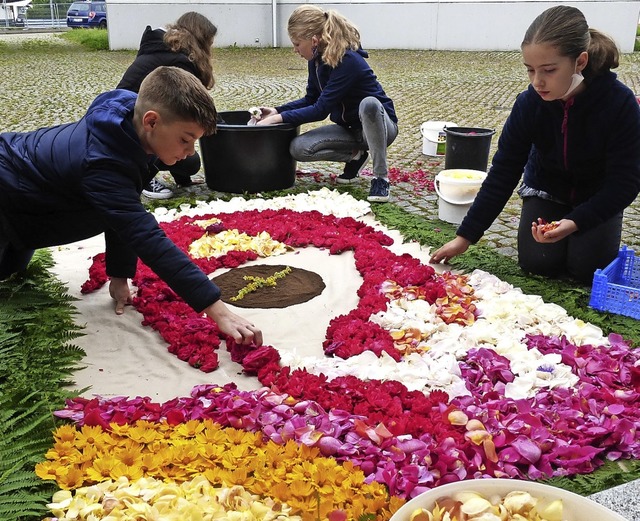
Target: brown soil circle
(296, 287)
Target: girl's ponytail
(335, 33)
(338, 36)
(604, 54)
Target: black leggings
(182, 170)
(578, 255)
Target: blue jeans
(578, 255)
(338, 143)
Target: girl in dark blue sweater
(341, 85)
(575, 133)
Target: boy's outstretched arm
(242, 331)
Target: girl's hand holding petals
(554, 231)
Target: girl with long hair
(575, 133)
(340, 85)
(187, 44)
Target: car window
(81, 7)
(99, 8)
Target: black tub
(241, 158)
(467, 148)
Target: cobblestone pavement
(42, 87)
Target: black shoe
(353, 168)
(157, 190)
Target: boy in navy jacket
(69, 182)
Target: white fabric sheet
(124, 358)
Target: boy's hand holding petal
(242, 331)
(120, 292)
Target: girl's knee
(370, 107)
(297, 149)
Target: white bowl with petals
(575, 507)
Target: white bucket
(457, 189)
(434, 137)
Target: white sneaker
(157, 190)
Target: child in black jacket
(575, 133)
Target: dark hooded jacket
(337, 92)
(69, 182)
(154, 53)
(584, 152)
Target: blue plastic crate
(616, 288)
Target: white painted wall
(384, 24)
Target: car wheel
(102, 25)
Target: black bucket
(467, 148)
(241, 158)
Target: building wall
(384, 24)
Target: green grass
(91, 39)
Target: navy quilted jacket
(70, 182)
(585, 152)
(337, 92)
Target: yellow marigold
(150, 462)
(211, 434)
(215, 475)
(279, 456)
(189, 429)
(211, 453)
(302, 488)
(291, 473)
(169, 471)
(74, 478)
(186, 455)
(65, 433)
(144, 435)
(308, 453)
(106, 467)
(63, 450)
(50, 470)
(241, 437)
(87, 456)
(90, 436)
(130, 456)
(304, 471)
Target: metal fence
(41, 16)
